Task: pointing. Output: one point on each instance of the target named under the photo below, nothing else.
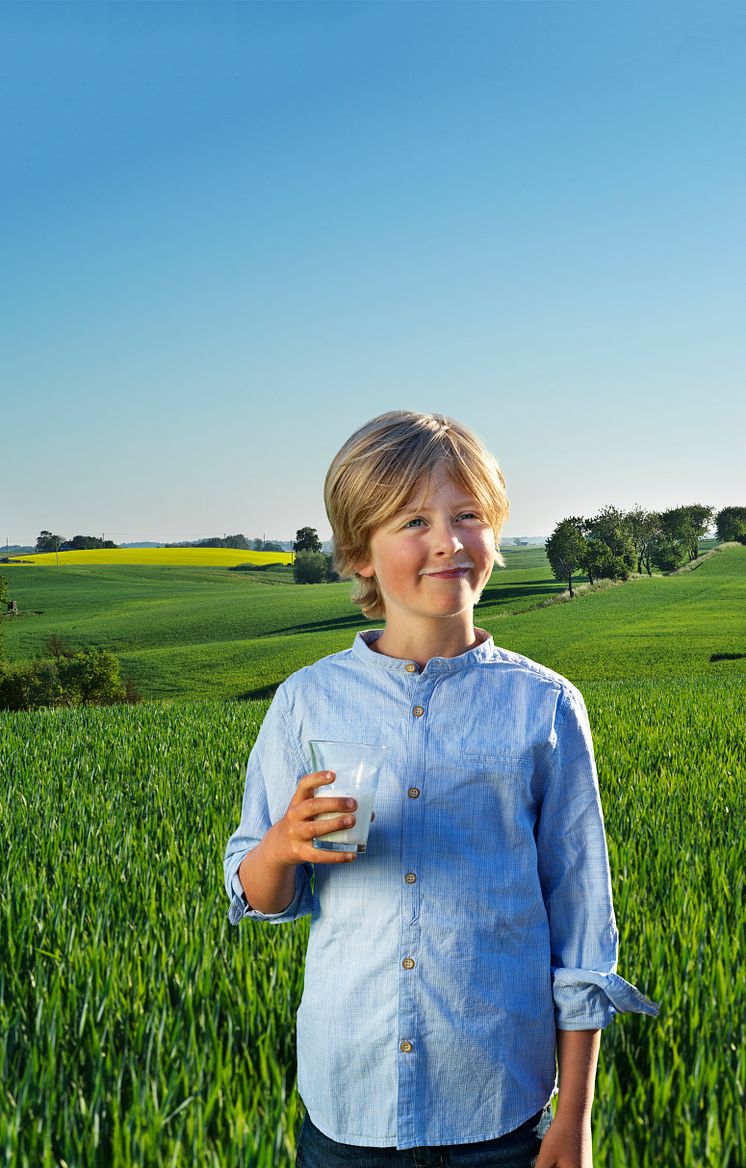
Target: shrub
(309, 568)
(90, 677)
(29, 685)
(332, 575)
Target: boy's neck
(421, 644)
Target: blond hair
(375, 473)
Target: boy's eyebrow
(414, 508)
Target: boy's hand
(291, 838)
(267, 872)
(566, 1145)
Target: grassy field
(191, 633)
(138, 1028)
(196, 632)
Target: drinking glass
(357, 768)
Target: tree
(666, 553)
(332, 575)
(700, 521)
(307, 540)
(565, 550)
(239, 542)
(265, 545)
(730, 524)
(610, 551)
(643, 526)
(681, 529)
(48, 542)
(80, 543)
(309, 568)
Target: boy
(475, 939)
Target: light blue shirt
(480, 918)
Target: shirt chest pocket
(484, 803)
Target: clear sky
(231, 233)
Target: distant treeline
(49, 542)
(615, 543)
(240, 542)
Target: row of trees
(615, 543)
(49, 542)
(610, 546)
(240, 542)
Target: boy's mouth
(453, 573)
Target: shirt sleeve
(576, 883)
(274, 768)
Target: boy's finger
(310, 782)
(321, 856)
(326, 805)
(316, 827)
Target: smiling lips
(448, 573)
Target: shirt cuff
(587, 1000)
(240, 908)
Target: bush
(332, 575)
(90, 677)
(30, 685)
(309, 568)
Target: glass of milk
(357, 767)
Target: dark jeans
(517, 1149)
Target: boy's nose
(447, 541)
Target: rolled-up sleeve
(576, 883)
(274, 768)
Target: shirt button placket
(409, 952)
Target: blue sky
(234, 232)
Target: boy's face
(433, 558)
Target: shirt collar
(484, 651)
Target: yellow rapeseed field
(159, 557)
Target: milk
(354, 837)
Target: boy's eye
(414, 522)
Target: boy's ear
(365, 570)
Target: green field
(193, 633)
(138, 1028)
(210, 632)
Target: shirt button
(410, 878)
(408, 962)
(418, 711)
(414, 792)
(405, 1047)
(411, 668)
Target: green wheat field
(138, 1028)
